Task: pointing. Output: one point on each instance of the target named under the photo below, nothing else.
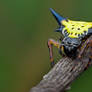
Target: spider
(75, 33)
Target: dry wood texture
(62, 74)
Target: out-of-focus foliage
(25, 26)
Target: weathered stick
(62, 74)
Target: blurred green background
(25, 27)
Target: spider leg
(86, 45)
(52, 42)
(90, 58)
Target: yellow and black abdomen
(76, 29)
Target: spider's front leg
(57, 44)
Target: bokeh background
(25, 27)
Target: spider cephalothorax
(70, 43)
(74, 32)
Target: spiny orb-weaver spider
(75, 33)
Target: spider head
(71, 43)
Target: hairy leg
(86, 45)
(52, 42)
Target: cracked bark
(63, 74)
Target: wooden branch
(62, 74)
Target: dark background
(25, 27)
